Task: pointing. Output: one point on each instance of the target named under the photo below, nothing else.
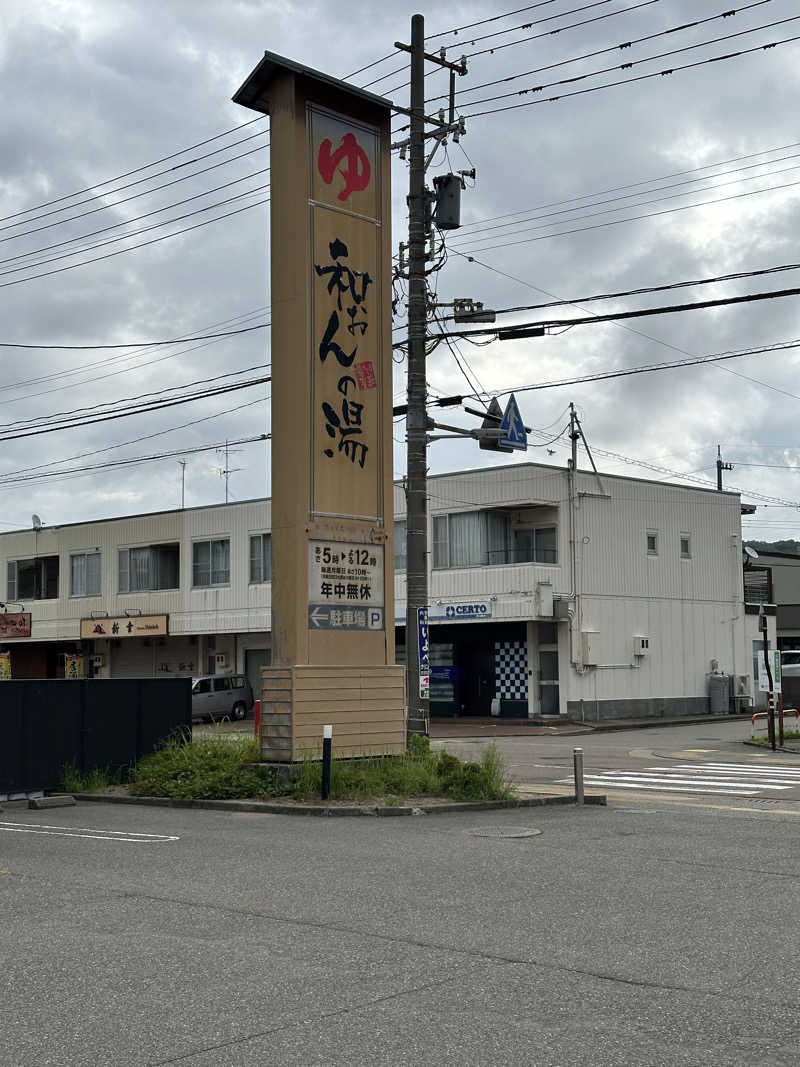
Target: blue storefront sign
(471, 612)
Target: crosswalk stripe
(693, 768)
(753, 768)
(613, 776)
(669, 788)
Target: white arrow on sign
(318, 615)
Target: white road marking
(613, 776)
(735, 779)
(612, 784)
(88, 832)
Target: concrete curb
(647, 724)
(778, 748)
(268, 808)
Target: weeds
(418, 772)
(219, 766)
(75, 781)
(214, 766)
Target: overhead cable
(636, 78)
(136, 170)
(604, 51)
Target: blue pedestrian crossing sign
(512, 428)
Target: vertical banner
(423, 638)
(73, 667)
(5, 666)
(346, 341)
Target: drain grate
(503, 831)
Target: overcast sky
(94, 89)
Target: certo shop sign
(471, 612)
(125, 626)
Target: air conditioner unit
(221, 660)
(98, 661)
(641, 646)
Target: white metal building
(551, 593)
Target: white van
(220, 696)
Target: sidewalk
(475, 726)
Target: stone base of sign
(365, 706)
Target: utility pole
(416, 422)
(720, 468)
(417, 419)
(574, 435)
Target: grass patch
(213, 766)
(788, 735)
(220, 766)
(75, 781)
(417, 773)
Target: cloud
(93, 90)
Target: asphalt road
(652, 932)
(705, 759)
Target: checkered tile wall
(511, 670)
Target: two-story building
(552, 593)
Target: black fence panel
(46, 726)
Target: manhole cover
(709, 739)
(504, 831)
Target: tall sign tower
(332, 492)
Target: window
(211, 563)
(203, 686)
(84, 574)
(536, 544)
(260, 558)
(237, 681)
(32, 579)
(152, 567)
(686, 546)
(652, 543)
(481, 538)
(222, 685)
(400, 544)
(440, 553)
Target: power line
(549, 33)
(136, 218)
(144, 229)
(133, 344)
(130, 185)
(648, 181)
(657, 200)
(139, 411)
(142, 244)
(637, 218)
(143, 437)
(649, 368)
(528, 25)
(494, 18)
(632, 63)
(637, 78)
(66, 416)
(641, 333)
(644, 289)
(7, 480)
(113, 360)
(604, 51)
(136, 170)
(669, 309)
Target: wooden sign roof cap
(254, 91)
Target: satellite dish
(37, 522)
(751, 552)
